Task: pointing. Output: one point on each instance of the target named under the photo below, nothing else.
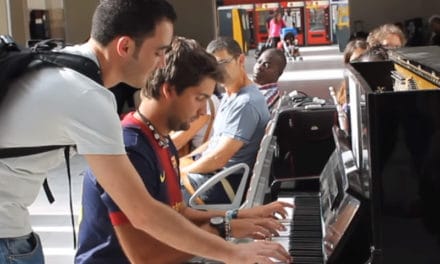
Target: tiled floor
(320, 68)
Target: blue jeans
(21, 250)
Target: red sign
(240, 2)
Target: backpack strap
(26, 151)
(78, 63)
(42, 55)
(69, 178)
(48, 192)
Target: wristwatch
(219, 223)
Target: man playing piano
(175, 95)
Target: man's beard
(177, 125)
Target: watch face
(218, 220)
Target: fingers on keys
(274, 250)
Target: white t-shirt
(51, 106)
(288, 20)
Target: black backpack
(15, 61)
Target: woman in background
(352, 52)
(275, 26)
(388, 36)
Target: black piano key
(307, 253)
(309, 234)
(307, 228)
(308, 245)
(305, 240)
(307, 260)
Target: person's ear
(241, 59)
(125, 46)
(168, 90)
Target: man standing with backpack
(59, 106)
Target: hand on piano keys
(278, 209)
(256, 228)
(282, 217)
(302, 236)
(261, 222)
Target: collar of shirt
(268, 86)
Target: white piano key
(289, 210)
(284, 241)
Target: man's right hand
(256, 228)
(260, 252)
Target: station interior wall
(197, 18)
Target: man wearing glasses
(238, 127)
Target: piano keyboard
(303, 235)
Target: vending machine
(317, 23)
(294, 11)
(263, 12)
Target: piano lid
(424, 61)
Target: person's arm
(180, 138)
(256, 227)
(240, 123)
(274, 210)
(140, 247)
(268, 20)
(199, 150)
(119, 179)
(217, 158)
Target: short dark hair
(134, 18)
(352, 46)
(225, 43)
(187, 64)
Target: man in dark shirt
(174, 96)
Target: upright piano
(329, 225)
(395, 134)
(378, 195)
(378, 199)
